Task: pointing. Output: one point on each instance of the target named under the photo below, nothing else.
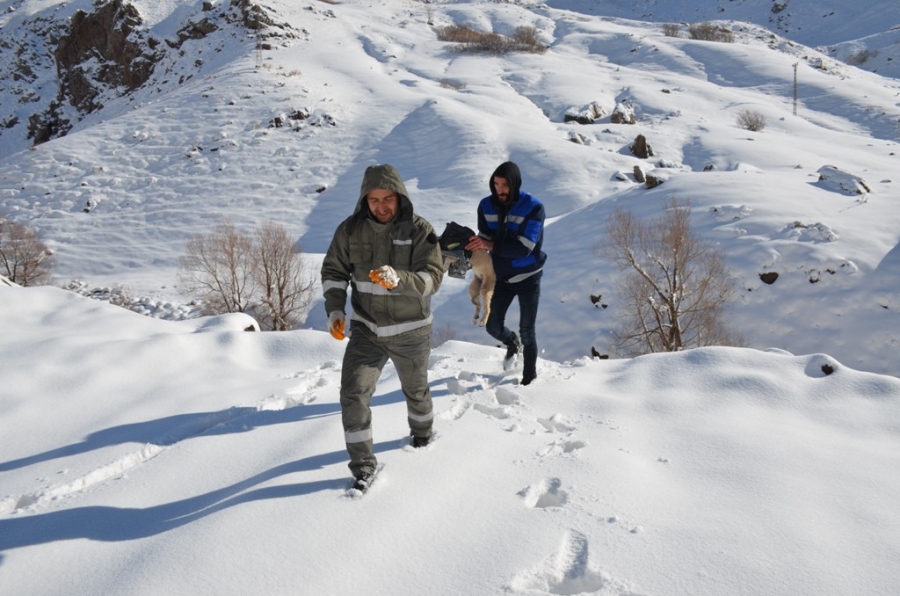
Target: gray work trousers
(364, 360)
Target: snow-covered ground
(149, 456)
(118, 197)
(143, 456)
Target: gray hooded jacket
(361, 244)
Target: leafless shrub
(671, 30)
(861, 57)
(528, 38)
(24, 259)
(674, 287)
(710, 32)
(751, 120)
(260, 275)
(452, 84)
(217, 268)
(525, 39)
(458, 34)
(285, 286)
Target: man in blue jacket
(511, 228)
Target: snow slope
(187, 456)
(120, 195)
(143, 456)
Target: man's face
(501, 188)
(383, 204)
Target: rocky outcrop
(641, 148)
(100, 50)
(623, 114)
(585, 114)
(107, 53)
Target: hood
(384, 176)
(509, 171)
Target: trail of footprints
(302, 393)
(567, 569)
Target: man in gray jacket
(389, 257)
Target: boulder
(641, 148)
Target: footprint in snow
(507, 397)
(556, 424)
(545, 494)
(562, 447)
(456, 411)
(568, 571)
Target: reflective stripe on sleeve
(334, 285)
(429, 283)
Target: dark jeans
(529, 293)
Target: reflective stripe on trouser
(364, 360)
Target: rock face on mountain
(102, 48)
(98, 55)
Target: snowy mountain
(118, 196)
(187, 456)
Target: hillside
(119, 195)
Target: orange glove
(336, 322)
(385, 276)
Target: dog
(458, 260)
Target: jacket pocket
(361, 255)
(401, 254)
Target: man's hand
(385, 276)
(336, 322)
(477, 242)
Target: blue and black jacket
(516, 229)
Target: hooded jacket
(516, 229)
(361, 244)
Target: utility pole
(795, 87)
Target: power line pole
(795, 87)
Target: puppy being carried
(458, 260)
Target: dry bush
(24, 259)
(261, 276)
(285, 286)
(217, 269)
(525, 39)
(710, 32)
(671, 30)
(675, 285)
(861, 57)
(751, 120)
(452, 84)
(458, 34)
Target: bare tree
(285, 286)
(24, 259)
(260, 275)
(671, 30)
(710, 32)
(217, 268)
(675, 284)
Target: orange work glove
(336, 322)
(385, 276)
